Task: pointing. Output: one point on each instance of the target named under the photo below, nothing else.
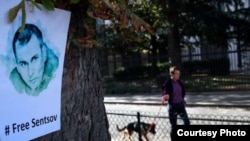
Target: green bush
(210, 67)
(163, 67)
(130, 73)
(139, 72)
(220, 66)
(127, 89)
(160, 79)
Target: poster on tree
(31, 68)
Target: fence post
(139, 125)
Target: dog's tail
(122, 129)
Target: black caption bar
(211, 132)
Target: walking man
(173, 91)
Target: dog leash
(158, 113)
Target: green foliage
(214, 21)
(163, 67)
(23, 16)
(132, 39)
(48, 4)
(74, 1)
(150, 11)
(13, 12)
(37, 5)
(122, 3)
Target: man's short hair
(24, 37)
(172, 69)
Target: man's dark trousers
(174, 110)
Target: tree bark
(173, 34)
(154, 57)
(83, 114)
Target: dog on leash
(134, 127)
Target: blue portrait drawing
(31, 70)
(35, 62)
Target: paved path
(219, 99)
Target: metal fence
(122, 118)
(236, 63)
(201, 71)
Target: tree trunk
(114, 61)
(83, 114)
(238, 38)
(154, 57)
(173, 34)
(163, 51)
(163, 47)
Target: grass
(218, 83)
(136, 86)
(192, 83)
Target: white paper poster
(31, 67)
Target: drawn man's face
(30, 60)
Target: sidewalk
(207, 99)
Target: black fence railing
(200, 72)
(123, 118)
